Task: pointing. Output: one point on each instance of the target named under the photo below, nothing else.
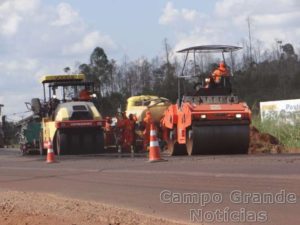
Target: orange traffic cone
(50, 153)
(154, 150)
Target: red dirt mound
(263, 142)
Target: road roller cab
(72, 125)
(211, 119)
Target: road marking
(51, 169)
(209, 174)
(161, 172)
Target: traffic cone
(154, 150)
(50, 153)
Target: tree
(67, 70)
(100, 69)
(272, 77)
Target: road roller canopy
(66, 86)
(71, 83)
(62, 78)
(210, 49)
(204, 71)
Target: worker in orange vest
(126, 128)
(220, 72)
(121, 127)
(85, 94)
(217, 75)
(147, 123)
(130, 131)
(165, 133)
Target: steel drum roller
(219, 139)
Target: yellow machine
(139, 105)
(74, 126)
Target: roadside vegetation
(287, 134)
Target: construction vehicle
(74, 126)
(139, 105)
(28, 134)
(211, 120)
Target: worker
(85, 94)
(165, 133)
(52, 105)
(130, 131)
(126, 131)
(216, 76)
(120, 129)
(108, 131)
(220, 72)
(147, 123)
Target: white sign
(287, 111)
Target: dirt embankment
(264, 142)
(20, 208)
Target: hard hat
(222, 66)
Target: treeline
(259, 76)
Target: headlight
(203, 116)
(238, 116)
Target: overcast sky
(42, 37)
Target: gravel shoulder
(24, 208)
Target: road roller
(211, 119)
(69, 119)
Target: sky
(39, 37)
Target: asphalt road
(252, 189)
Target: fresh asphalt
(130, 181)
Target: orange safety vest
(84, 95)
(218, 74)
(129, 131)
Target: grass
(287, 134)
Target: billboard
(286, 111)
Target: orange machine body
(179, 119)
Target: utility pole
(250, 38)
(166, 45)
(1, 108)
(279, 47)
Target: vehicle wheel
(75, 146)
(61, 143)
(176, 149)
(99, 142)
(189, 142)
(189, 146)
(42, 150)
(88, 143)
